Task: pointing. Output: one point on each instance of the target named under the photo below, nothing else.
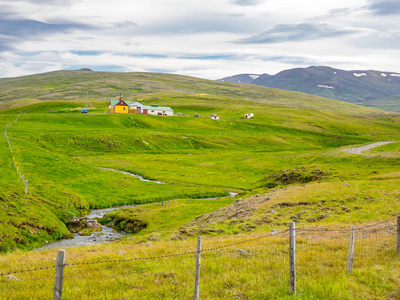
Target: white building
(136, 105)
(157, 110)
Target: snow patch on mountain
(383, 75)
(359, 74)
(254, 76)
(395, 75)
(325, 86)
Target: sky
(209, 39)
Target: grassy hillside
(388, 104)
(154, 87)
(286, 164)
(338, 180)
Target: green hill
(388, 104)
(294, 140)
(77, 85)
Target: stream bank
(106, 233)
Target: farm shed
(136, 106)
(157, 110)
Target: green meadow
(286, 164)
(61, 155)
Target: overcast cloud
(296, 32)
(385, 7)
(203, 38)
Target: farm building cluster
(134, 107)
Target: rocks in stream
(83, 227)
(93, 224)
(75, 221)
(75, 225)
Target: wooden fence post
(351, 251)
(26, 187)
(58, 281)
(197, 274)
(398, 235)
(292, 257)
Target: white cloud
(196, 37)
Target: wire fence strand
(259, 257)
(278, 234)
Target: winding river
(107, 233)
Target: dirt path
(361, 150)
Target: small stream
(106, 234)
(231, 194)
(131, 174)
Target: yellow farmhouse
(127, 107)
(124, 107)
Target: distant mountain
(242, 78)
(358, 86)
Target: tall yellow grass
(254, 267)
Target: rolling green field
(290, 152)
(61, 153)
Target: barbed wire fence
(216, 271)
